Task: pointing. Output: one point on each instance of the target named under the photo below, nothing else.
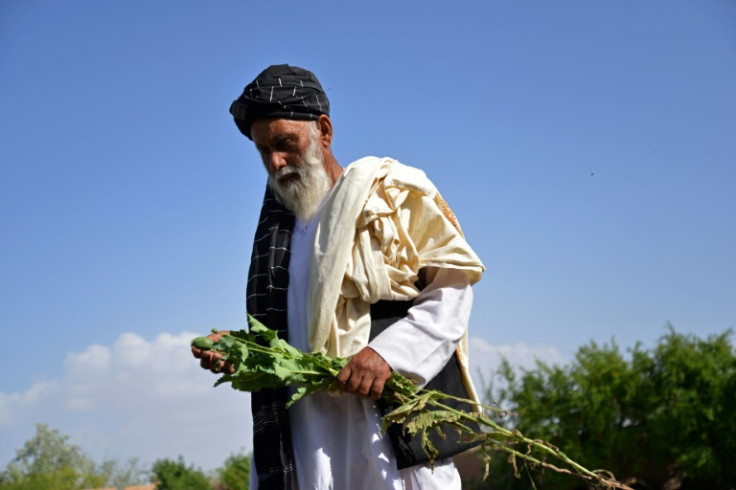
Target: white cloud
(137, 398)
(95, 359)
(132, 350)
(12, 405)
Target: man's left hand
(365, 374)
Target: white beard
(303, 195)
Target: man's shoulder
(395, 174)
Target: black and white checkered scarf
(268, 281)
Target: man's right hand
(212, 360)
(365, 374)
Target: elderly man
(336, 250)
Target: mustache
(288, 170)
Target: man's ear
(325, 130)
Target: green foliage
(48, 460)
(176, 475)
(261, 360)
(235, 473)
(121, 475)
(654, 418)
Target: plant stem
(399, 390)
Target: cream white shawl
(382, 223)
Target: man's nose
(277, 161)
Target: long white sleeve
(419, 345)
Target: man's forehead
(264, 129)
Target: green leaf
(260, 329)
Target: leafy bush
(656, 419)
(235, 473)
(48, 460)
(176, 475)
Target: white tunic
(337, 440)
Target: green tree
(48, 460)
(656, 419)
(171, 474)
(235, 473)
(121, 475)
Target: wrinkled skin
(365, 374)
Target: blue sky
(587, 148)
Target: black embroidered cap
(280, 91)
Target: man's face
(292, 154)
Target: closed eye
(285, 142)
